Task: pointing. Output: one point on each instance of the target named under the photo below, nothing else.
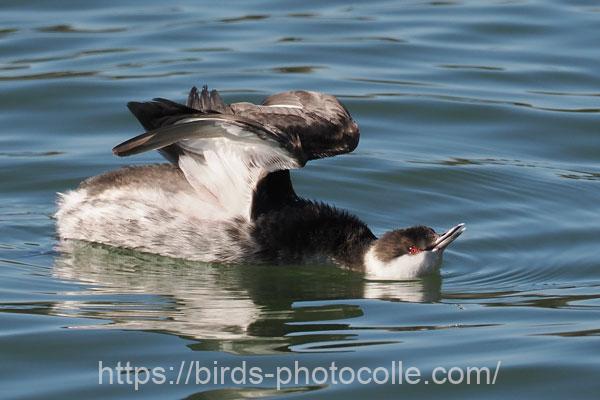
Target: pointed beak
(446, 238)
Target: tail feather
(217, 103)
(193, 100)
(206, 101)
(161, 113)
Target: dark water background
(485, 112)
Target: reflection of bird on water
(229, 308)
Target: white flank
(148, 219)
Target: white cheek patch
(405, 267)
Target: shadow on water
(250, 309)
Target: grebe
(227, 197)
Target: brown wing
(308, 124)
(238, 155)
(322, 124)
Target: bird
(226, 196)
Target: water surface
(478, 112)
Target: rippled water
(482, 112)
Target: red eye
(412, 250)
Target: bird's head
(408, 253)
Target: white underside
(405, 267)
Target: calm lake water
(479, 112)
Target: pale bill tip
(449, 236)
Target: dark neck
(273, 192)
(303, 229)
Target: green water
(484, 112)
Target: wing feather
(225, 150)
(223, 159)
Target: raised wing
(323, 125)
(226, 150)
